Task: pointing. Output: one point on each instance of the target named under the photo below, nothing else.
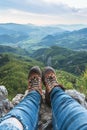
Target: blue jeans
(27, 112)
(68, 114)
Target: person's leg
(68, 114)
(27, 111)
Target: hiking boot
(35, 79)
(49, 78)
(50, 81)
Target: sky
(43, 12)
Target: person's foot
(49, 78)
(35, 79)
(50, 81)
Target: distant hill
(13, 33)
(63, 59)
(28, 28)
(13, 27)
(72, 27)
(24, 34)
(12, 38)
(4, 30)
(32, 37)
(14, 50)
(76, 40)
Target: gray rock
(80, 97)
(17, 99)
(3, 92)
(4, 101)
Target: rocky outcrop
(5, 104)
(45, 119)
(80, 97)
(17, 99)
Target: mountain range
(33, 37)
(56, 47)
(76, 40)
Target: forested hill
(74, 62)
(76, 40)
(14, 50)
(14, 72)
(62, 58)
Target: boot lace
(50, 80)
(34, 82)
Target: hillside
(76, 40)
(15, 50)
(12, 38)
(64, 59)
(74, 62)
(14, 72)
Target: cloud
(40, 12)
(37, 6)
(17, 16)
(70, 3)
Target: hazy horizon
(77, 24)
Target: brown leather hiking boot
(35, 79)
(50, 81)
(49, 78)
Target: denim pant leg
(68, 114)
(27, 111)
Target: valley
(62, 47)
